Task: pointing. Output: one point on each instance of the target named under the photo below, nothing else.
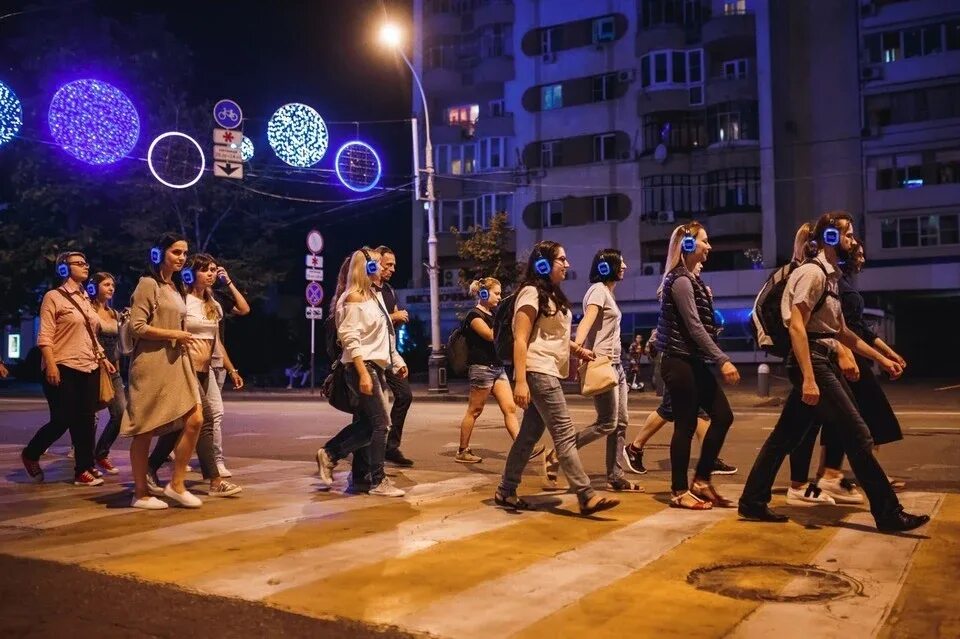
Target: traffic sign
(226, 154)
(227, 113)
(314, 275)
(314, 294)
(230, 138)
(228, 170)
(314, 241)
(314, 261)
(314, 312)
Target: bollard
(763, 380)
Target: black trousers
(73, 407)
(692, 386)
(402, 398)
(835, 408)
(802, 455)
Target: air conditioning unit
(549, 58)
(665, 217)
(872, 72)
(626, 76)
(650, 268)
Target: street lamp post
(437, 364)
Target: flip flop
(603, 503)
(517, 504)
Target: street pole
(437, 364)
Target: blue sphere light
(246, 149)
(358, 166)
(11, 114)
(94, 121)
(298, 135)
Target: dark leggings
(692, 386)
(73, 407)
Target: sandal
(551, 464)
(511, 502)
(677, 501)
(601, 503)
(625, 485)
(705, 491)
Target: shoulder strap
(826, 291)
(86, 321)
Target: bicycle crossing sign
(227, 114)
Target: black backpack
(457, 351)
(331, 341)
(503, 328)
(769, 331)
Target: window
(952, 30)
(929, 230)
(468, 217)
(494, 40)
(604, 208)
(732, 121)
(909, 232)
(926, 230)
(735, 68)
(497, 108)
(695, 65)
(603, 87)
(551, 213)
(912, 43)
(917, 105)
(550, 154)
(679, 64)
(696, 95)
(603, 30)
(733, 190)
(665, 196)
(949, 229)
(550, 40)
(890, 44)
(469, 158)
(443, 158)
(492, 153)
(604, 147)
(456, 160)
(932, 42)
(463, 114)
(677, 130)
(551, 97)
(735, 7)
(671, 68)
(492, 204)
(889, 237)
(659, 68)
(655, 13)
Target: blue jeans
(612, 420)
(116, 408)
(548, 409)
(367, 433)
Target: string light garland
(358, 166)
(11, 114)
(246, 149)
(298, 135)
(93, 121)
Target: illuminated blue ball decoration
(298, 135)
(94, 121)
(246, 149)
(358, 166)
(11, 114)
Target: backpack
(331, 341)
(503, 328)
(769, 331)
(457, 350)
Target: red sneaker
(107, 466)
(86, 478)
(33, 468)
(96, 473)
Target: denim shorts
(484, 376)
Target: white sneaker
(842, 490)
(222, 470)
(809, 495)
(185, 499)
(148, 503)
(386, 489)
(152, 486)
(325, 466)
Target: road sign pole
(313, 349)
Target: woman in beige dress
(163, 393)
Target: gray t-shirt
(805, 286)
(604, 335)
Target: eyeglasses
(80, 264)
(562, 260)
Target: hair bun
(474, 287)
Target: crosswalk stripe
(878, 562)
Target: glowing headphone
(92, 289)
(484, 294)
(63, 269)
(186, 274)
(372, 264)
(156, 255)
(831, 234)
(541, 265)
(603, 268)
(689, 243)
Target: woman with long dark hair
(541, 359)
(104, 287)
(164, 394)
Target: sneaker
(153, 484)
(224, 489)
(148, 503)
(722, 468)
(466, 456)
(842, 490)
(325, 466)
(357, 488)
(386, 489)
(107, 466)
(32, 467)
(633, 460)
(222, 470)
(96, 473)
(811, 496)
(185, 499)
(86, 478)
(395, 456)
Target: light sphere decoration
(246, 149)
(93, 121)
(298, 135)
(174, 136)
(358, 166)
(11, 114)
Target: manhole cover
(769, 581)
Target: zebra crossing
(444, 562)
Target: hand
(3, 371)
(730, 373)
(223, 276)
(182, 338)
(109, 367)
(402, 372)
(811, 392)
(521, 394)
(236, 379)
(893, 369)
(53, 375)
(400, 316)
(366, 383)
(586, 354)
(848, 366)
(899, 360)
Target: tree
(484, 250)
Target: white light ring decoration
(336, 165)
(168, 134)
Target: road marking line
(879, 562)
(519, 600)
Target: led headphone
(92, 289)
(372, 264)
(603, 268)
(156, 255)
(541, 265)
(186, 275)
(689, 243)
(484, 294)
(63, 269)
(831, 235)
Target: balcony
(729, 89)
(934, 196)
(735, 224)
(494, 70)
(442, 24)
(651, 100)
(501, 126)
(447, 243)
(720, 30)
(493, 12)
(667, 36)
(441, 80)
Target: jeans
(73, 407)
(801, 456)
(612, 421)
(548, 409)
(209, 401)
(116, 409)
(366, 435)
(221, 374)
(484, 376)
(692, 386)
(837, 410)
(402, 398)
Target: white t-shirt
(604, 335)
(549, 349)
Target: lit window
(463, 114)
(551, 97)
(734, 7)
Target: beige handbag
(597, 376)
